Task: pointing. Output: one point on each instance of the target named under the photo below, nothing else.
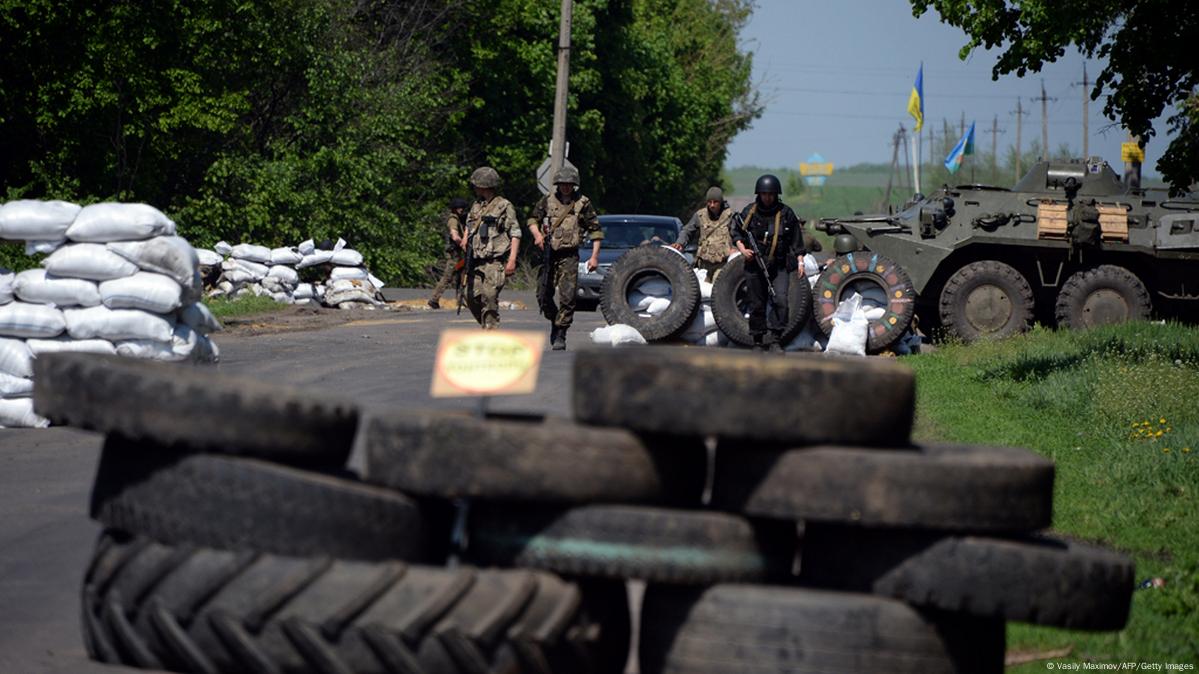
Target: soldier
(715, 241)
(493, 236)
(778, 234)
(453, 250)
(566, 217)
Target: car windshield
(632, 234)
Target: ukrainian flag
(916, 100)
(964, 147)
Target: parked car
(622, 232)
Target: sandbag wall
(249, 269)
(116, 280)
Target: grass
(245, 305)
(1117, 409)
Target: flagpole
(917, 155)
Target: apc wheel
(867, 274)
(728, 294)
(1102, 296)
(986, 300)
(639, 264)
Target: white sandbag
(43, 247)
(304, 291)
(254, 269)
(248, 251)
(285, 274)
(654, 287)
(701, 275)
(340, 296)
(811, 338)
(101, 223)
(118, 324)
(347, 257)
(315, 258)
(18, 413)
(64, 343)
(183, 342)
(639, 301)
(351, 273)
(282, 297)
(713, 339)
(375, 280)
(199, 318)
(306, 248)
(285, 256)
(850, 328)
(144, 290)
(341, 243)
(699, 327)
(705, 288)
(658, 306)
(88, 261)
(38, 287)
(171, 256)
(15, 357)
(33, 220)
(206, 350)
(237, 277)
(15, 387)
(6, 280)
(810, 266)
(276, 285)
(222, 248)
(302, 301)
(21, 319)
(193, 292)
(874, 302)
(615, 335)
(209, 258)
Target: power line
(889, 94)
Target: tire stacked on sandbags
(654, 290)
(115, 280)
(909, 557)
(235, 539)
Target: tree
(1149, 46)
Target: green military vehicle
(1069, 244)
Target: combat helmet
(485, 176)
(768, 183)
(567, 174)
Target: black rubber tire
(954, 487)
(1127, 300)
(633, 266)
(193, 408)
(875, 268)
(730, 317)
(616, 541)
(1042, 580)
(1016, 301)
(793, 400)
(761, 628)
(237, 503)
(204, 610)
(452, 455)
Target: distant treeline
(280, 120)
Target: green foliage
(1148, 46)
(246, 305)
(1113, 408)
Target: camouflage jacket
(580, 219)
(492, 238)
(714, 237)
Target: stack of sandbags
(117, 280)
(257, 270)
(702, 330)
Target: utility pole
(1044, 121)
(995, 148)
(1086, 101)
(1020, 113)
(896, 140)
(561, 88)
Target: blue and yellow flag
(964, 147)
(916, 100)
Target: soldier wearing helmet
(493, 235)
(562, 220)
(779, 235)
(712, 223)
(453, 249)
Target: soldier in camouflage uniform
(453, 250)
(494, 237)
(713, 223)
(566, 217)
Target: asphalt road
(384, 360)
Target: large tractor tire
(1104, 295)
(728, 309)
(874, 277)
(641, 264)
(986, 300)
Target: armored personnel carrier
(1070, 244)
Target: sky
(835, 78)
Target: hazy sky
(836, 75)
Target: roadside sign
(1132, 152)
(544, 177)
(472, 362)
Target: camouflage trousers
(484, 302)
(448, 274)
(565, 277)
(710, 267)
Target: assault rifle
(739, 223)
(545, 281)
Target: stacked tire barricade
(236, 539)
(851, 305)
(115, 279)
(304, 274)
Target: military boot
(559, 339)
(773, 343)
(758, 345)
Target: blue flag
(916, 99)
(964, 147)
